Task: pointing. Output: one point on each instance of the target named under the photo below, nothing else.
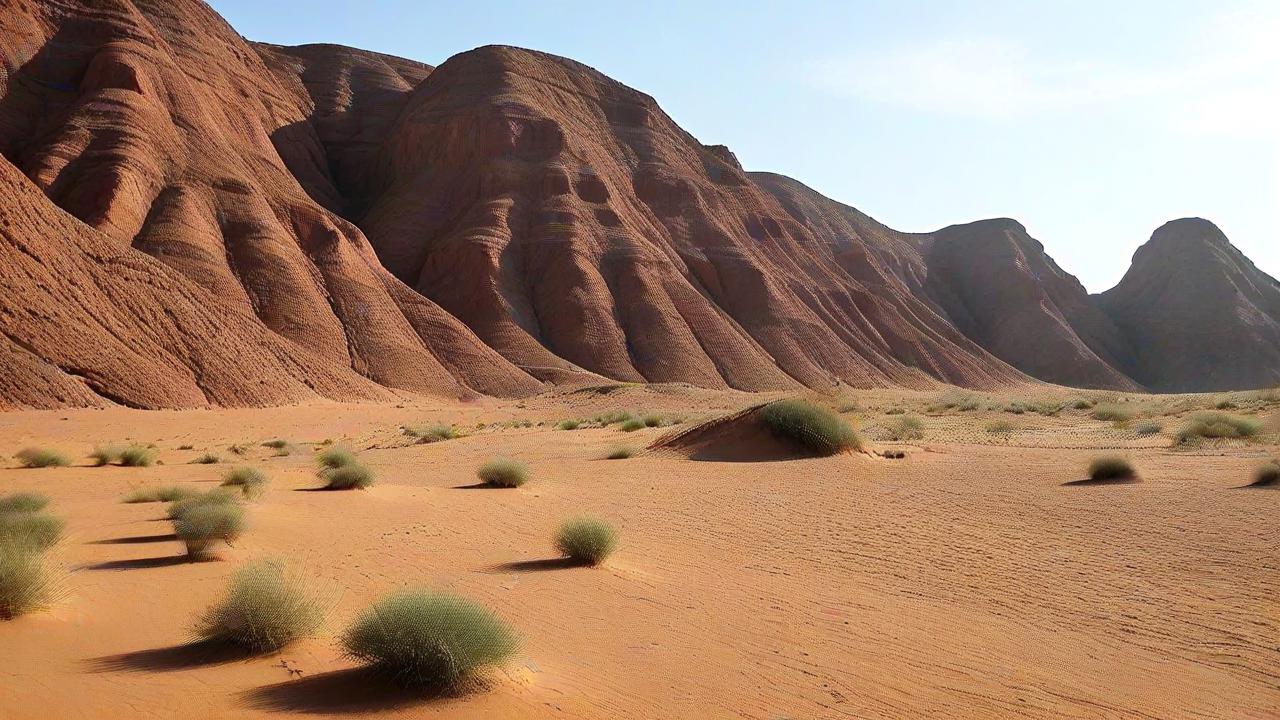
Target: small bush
(137, 456)
(613, 417)
(1218, 425)
(1147, 428)
(207, 459)
(620, 452)
(167, 493)
(1225, 404)
(335, 457)
(1110, 467)
(1082, 404)
(1111, 413)
(267, 605)
(251, 481)
(422, 639)
(34, 457)
(25, 583)
(907, 427)
(568, 425)
(501, 472)
(24, 502)
(103, 456)
(813, 427)
(277, 444)
(652, 421)
(435, 433)
(202, 525)
(999, 427)
(1267, 475)
(631, 425)
(181, 506)
(586, 540)
(352, 476)
(32, 530)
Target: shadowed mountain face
(189, 219)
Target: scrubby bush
(652, 420)
(999, 427)
(167, 493)
(1110, 467)
(23, 502)
(25, 583)
(267, 605)
(251, 481)
(1218, 425)
(181, 506)
(335, 457)
(238, 449)
(202, 525)
(1267, 475)
(105, 455)
(813, 427)
(1225, 404)
(435, 433)
(33, 530)
(1111, 413)
(586, 540)
(207, 459)
(352, 476)
(1148, 428)
(631, 425)
(137, 456)
(503, 472)
(277, 444)
(613, 417)
(1082, 404)
(423, 639)
(568, 425)
(34, 457)
(907, 427)
(620, 452)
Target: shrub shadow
(560, 563)
(176, 657)
(1090, 482)
(350, 691)
(145, 563)
(137, 540)
(480, 486)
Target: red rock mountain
(191, 219)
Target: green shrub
(1218, 425)
(613, 417)
(502, 472)
(1111, 413)
(1267, 475)
(907, 427)
(23, 502)
(251, 481)
(207, 459)
(33, 530)
(568, 425)
(809, 425)
(435, 433)
(25, 583)
(277, 444)
(1082, 404)
(34, 457)
(103, 456)
(137, 456)
(895, 411)
(214, 497)
(202, 525)
(352, 476)
(1225, 404)
(167, 493)
(620, 452)
(1148, 428)
(335, 457)
(1110, 467)
(586, 540)
(652, 421)
(631, 425)
(423, 639)
(267, 605)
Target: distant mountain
(191, 219)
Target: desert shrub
(167, 493)
(620, 452)
(202, 525)
(181, 506)
(277, 444)
(568, 425)
(1225, 404)
(631, 425)
(34, 457)
(1218, 425)
(1110, 467)
(25, 582)
(105, 455)
(586, 540)
(613, 417)
(1016, 408)
(267, 605)
(251, 481)
(23, 502)
(335, 457)
(999, 427)
(1111, 413)
(503, 472)
(814, 427)
(136, 456)
(238, 449)
(207, 459)
(435, 433)
(424, 639)
(352, 476)
(1148, 428)
(907, 427)
(895, 411)
(652, 420)
(32, 530)
(1267, 475)
(1082, 404)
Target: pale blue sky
(1090, 122)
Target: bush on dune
(1111, 467)
(200, 526)
(907, 427)
(214, 497)
(23, 502)
(1216, 425)
(1111, 413)
(137, 456)
(207, 459)
(103, 456)
(809, 425)
(586, 540)
(352, 476)
(25, 583)
(251, 481)
(167, 493)
(631, 425)
(34, 457)
(427, 640)
(32, 530)
(267, 605)
(620, 452)
(335, 457)
(502, 472)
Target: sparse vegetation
(433, 433)
(352, 476)
(907, 427)
(167, 493)
(31, 530)
(1215, 425)
(1225, 404)
(23, 502)
(631, 425)
(503, 472)
(277, 444)
(568, 425)
(1147, 428)
(207, 459)
(1082, 404)
(335, 457)
(1267, 475)
(25, 582)
(136, 456)
(813, 427)
(423, 639)
(620, 452)
(35, 457)
(181, 506)
(1111, 467)
(999, 427)
(586, 540)
(652, 421)
(251, 481)
(200, 526)
(1111, 413)
(267, 605)
(105, 455)
(613, 417)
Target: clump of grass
(809, 425)
(631, 425)
(435, 433)
(136, 456)
(251, 481)
(653, 420)
(1082, 404)
(1218, 425)
(25, 583)
(207, 459)
(335, 457)
(423, 639)
(238, 449)
(32, 530)
(568, 425)
(1147, 428)
(1111, 467)
(352, 476)
(999, 427)
(200, 526)
(1225, 404)
(267, 605)
(1111, 413)
(1267, 475)
(277, 444)
(181, 506)
(166, 493)
(35, 457)
(23, 502)
(503, 472)
(620, 452)
(105, 455)
(613, 417)
(586, 540)
(907, 427)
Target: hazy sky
(1090, 122)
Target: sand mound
(737, 437)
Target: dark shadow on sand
(352, 691)
(137, 540)
(176, 657)
(480, 486)
(145, 563)
(560, 563)
(1090, 482)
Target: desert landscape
(335, 383)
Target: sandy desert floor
(964, 581)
